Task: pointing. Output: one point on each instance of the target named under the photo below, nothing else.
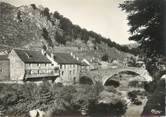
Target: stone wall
(17, 67)
(4, 70)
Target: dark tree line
(147, 21)
(75, 31)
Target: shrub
(136, 83)
(157, 100)
(108, 104)
(19, 99)
(86, 80)
(105, 57)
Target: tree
(105, 57)
(156, 101)
(19, 16)
(146, 18)
(57, 15)
(46, 12)
(34, 6)
(60, 39)
(46, 36)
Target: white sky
(101, 16)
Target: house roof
(4, 57)
(29, 56)
(84, 63)
(64, 58)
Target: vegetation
(74, 32)
(86, 80)
(136, 83)
(105, 57)
(156, 100)
(132, 62)
(146, 19)
(49, 21)
(19, 99)
(47, 37)
(60, 39)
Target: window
(42, 71)
(34, 71)
(1, 70)
(74, 80)
(28, 72)
(70, 72)
(60, 66)
(62, 73)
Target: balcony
(42, 73)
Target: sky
(101, 16)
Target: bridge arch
(137, 71)
(86, 80)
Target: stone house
(69, 68)
(4, 67)
(85, 66)
(31, 65)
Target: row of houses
(28, 65)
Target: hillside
(35, 26)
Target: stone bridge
(103, 75)
(142, 72)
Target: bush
(86, 80)
(151, 86)
(136, 83)
(105, 57)
(138, 92)
(19, 99)
(137, 102)
(108, 104)
(157, 100)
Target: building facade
(4, 68)
(31, 65)
(85, 66)
(69, 68)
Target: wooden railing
(34, 73)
